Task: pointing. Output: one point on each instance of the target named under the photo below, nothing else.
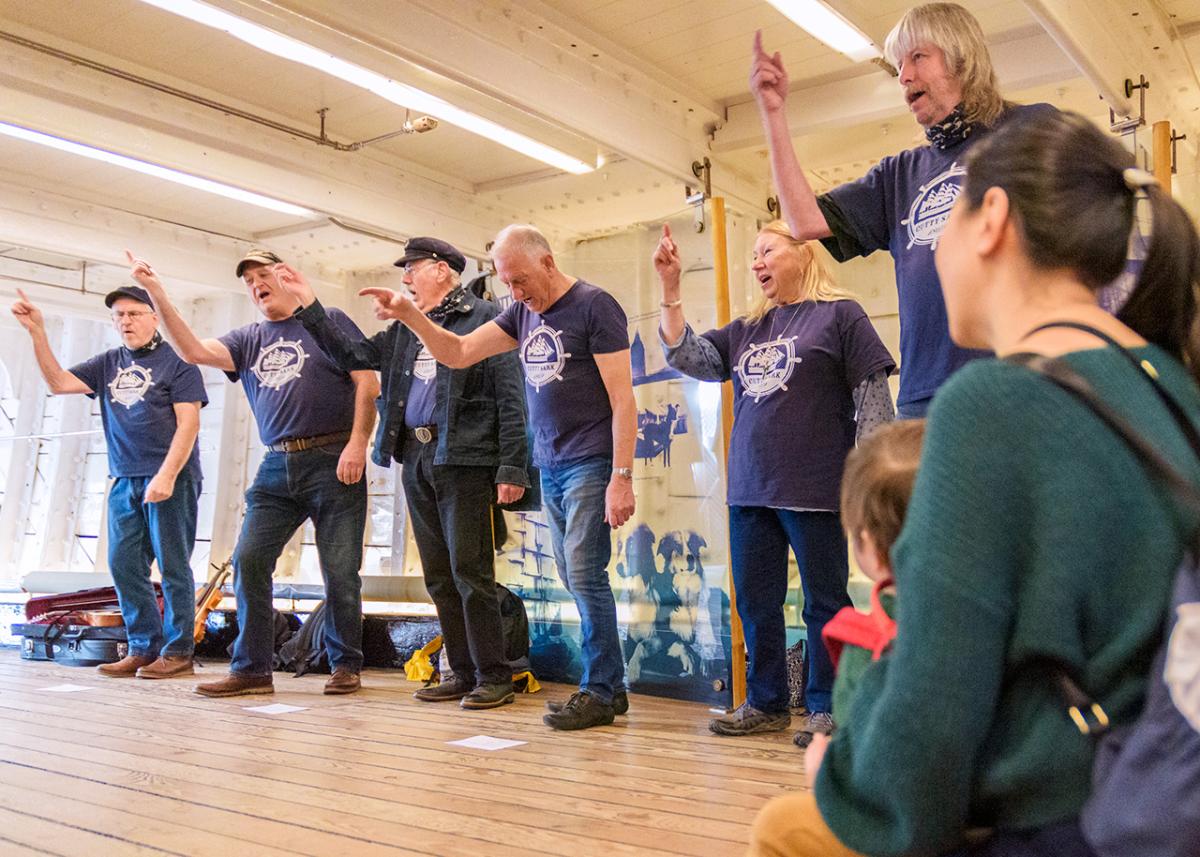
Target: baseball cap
(135, 292)
(257, 256)
(432, 248)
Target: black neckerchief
(951, 131)
(449, 304)
(155, 341)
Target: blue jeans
(138, 534)
(573, 497)
(758, 549)
(289, 488)
(913, 410)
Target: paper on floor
(275, 708)
(486, 742)
(66, 688)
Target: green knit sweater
(1032, 531)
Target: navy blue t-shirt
(294, 390)
(568, 402)
(137, 391)
(793, 375)
(902, 205)
(422, 394)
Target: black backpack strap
(1144, 369)
(1087, 714)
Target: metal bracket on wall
(1175, 138)
(1131, 122)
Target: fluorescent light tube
(828, 26)
(398, 93)
(155, 170)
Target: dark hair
(878, 481)
(1067, 189)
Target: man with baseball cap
(459, 435)
(315, 420)
(150, 404)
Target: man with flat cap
(315, 420)
(459, 435)
(150, 404)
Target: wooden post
(737, 645)
(1162, 154)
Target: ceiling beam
(535, 62)
(48, 95)
(1031, 60)
(1114, 41)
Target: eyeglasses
(119, 314)
(413, 267)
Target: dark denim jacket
(480, 410)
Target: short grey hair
(524, 237)
(956, 31)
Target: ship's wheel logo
(765, 368)
(543, 356)
(930, 210)
(130, 385)
(279, 363)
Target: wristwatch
(623, 472)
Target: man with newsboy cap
(315, 420)
(459, 435)
(150, 404)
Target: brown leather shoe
(168, 666)
(237, 685)
(127, 667)
(342, 681)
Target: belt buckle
(423, 434)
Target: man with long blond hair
(805, 363)
(903, 202)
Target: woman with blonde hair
(809, 375)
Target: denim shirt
(479, 411)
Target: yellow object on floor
(531, 684)
(419, 667)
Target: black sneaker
(581, 711)
(620, 703)
(748, 720)
(818, 721)
(452, 687)
(489, 696)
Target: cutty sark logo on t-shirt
(931, 209)
(129, 385)
(279, 363)
(765, 368)
(543, 357)
(425, 367)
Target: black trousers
(451, 512)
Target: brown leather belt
(300, 444)
(422, 434)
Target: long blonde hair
(816, 280)
(956, 31)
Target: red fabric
(873, 631)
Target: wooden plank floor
(139, 767)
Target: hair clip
(1136, 179)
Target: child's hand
(813, 755)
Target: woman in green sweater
(1033, 531)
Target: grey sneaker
(748, 720)
(818, 722)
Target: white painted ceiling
(665, 72)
